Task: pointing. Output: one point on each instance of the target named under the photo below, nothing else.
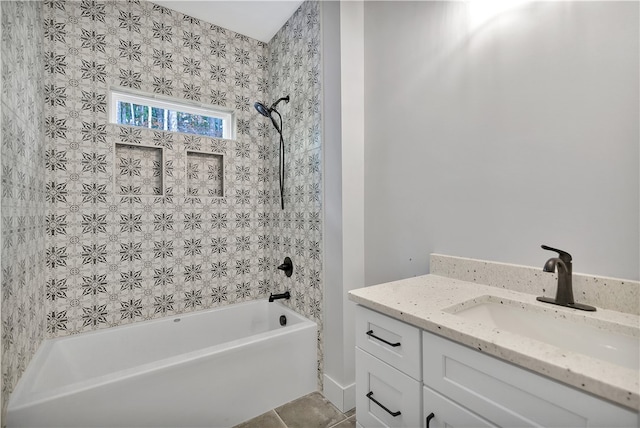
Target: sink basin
(615, 343)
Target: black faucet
(285, 295)
(564, 292)
(287, 267)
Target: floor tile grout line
(340, 421)
(279, 418)
(344, 415)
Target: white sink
(615, 343)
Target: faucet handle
(564, 256)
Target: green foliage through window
(168, 120)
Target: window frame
(117, 95)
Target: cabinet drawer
(508, 395)
(394, 342)
(390, 389)
(447, 413)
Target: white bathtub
(213, 368)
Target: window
(169, 115)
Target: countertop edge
(579, 379)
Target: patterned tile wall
(115, 259)
(205, 174)
(138, 170)
(294, 70)
(23, 199)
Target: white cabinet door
(440, 412)
(508, 395)
(394, 342)
(385, 397)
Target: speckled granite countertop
(428, 302)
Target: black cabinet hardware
(370, 397)
(370, 333)
(431, 416)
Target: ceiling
(260, 19)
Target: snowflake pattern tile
(293, 65)
(105, 259)
(205, 174)
(138, 170)
(24, 158)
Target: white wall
(343, 136)
(332, 186)
(488, 142)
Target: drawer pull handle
(370, 397)
(431, 416)
(370, 333)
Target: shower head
(266, 111)
(262, 109)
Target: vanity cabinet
(450, 413)
(386, 397)
(460, 386)
(388, 371)
(506, 395)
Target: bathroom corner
(105, 224)
(24, 255)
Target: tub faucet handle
(287, 267)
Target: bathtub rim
(22, 397)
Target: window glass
(202, 125)
(135, 110)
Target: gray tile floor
(310, 411)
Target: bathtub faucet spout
(285, 295)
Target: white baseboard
(343, 397)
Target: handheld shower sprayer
(268, 112)
(262, 109)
